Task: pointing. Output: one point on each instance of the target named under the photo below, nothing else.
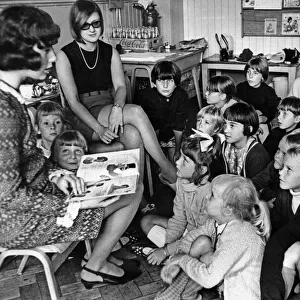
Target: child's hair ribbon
(206, 142)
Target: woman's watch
(118, 105)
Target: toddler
(255, 91)
(166, 105)
(50, 122)
(237, 231)
(193, 171)
(288, 120)
(242, 154)
(221, 92)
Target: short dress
(94, 84)
(29, 202)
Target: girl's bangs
(165, 76)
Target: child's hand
(157, 256)
(69, 183)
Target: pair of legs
(118, 216)
(291, 263)
(135, 116)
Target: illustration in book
(109, 174)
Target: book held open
(108, 175)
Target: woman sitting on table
(87, 69)
(30, 205)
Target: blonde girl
(238, 228)
(193, 171)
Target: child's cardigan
(237, 260)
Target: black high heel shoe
(110, 279)
(128, 264)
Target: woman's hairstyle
(240, 195)
(215, 114)
(245, 114)
(291, 104)
(166, 70)
(191, 147)
(223, 84)
(260, 64)
(80, 11)
(49, 108)
(22, 27)
(68, 138)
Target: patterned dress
(29, 202)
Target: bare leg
(101, 147)
(119, 215)
(149, 221)
(134, 115)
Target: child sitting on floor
(237, 231)
(50, 122)
(166, 105)
(193, 171)
(255, 91)
(242, 154)
(221, 92)
(288, 120)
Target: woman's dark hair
(80, 11)
(260, 64)
(191, 147)
(222, 84)
(166, 70)
(245, 114)
(22, 27)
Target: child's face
(185, 166)
(290, 174)
(165, 87)
(215, 98)
(206, 124)
(234, 133)
(287, 120)
(254, 78)
(279, 155)
(68, 157)
(50, 127)
(214, 203)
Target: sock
(288, 275)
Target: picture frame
(291, 4)
(248, 3)
(290, 24)
(270, 26)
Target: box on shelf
(137, 44)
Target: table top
(215, 59)
(154, 57)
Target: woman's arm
(67, 82)
(118, 79)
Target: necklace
(93, 67)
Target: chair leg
(22, 264)
(149, 174)
(88, 247)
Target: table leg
(204, 73)
(291, 77)
(197, 88)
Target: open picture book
(108, 175)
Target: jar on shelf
(150, 16)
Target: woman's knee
(201, 246)
(292, 256)
(133, 112)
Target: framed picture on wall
(248, 3)
(270, 26)
(290, 24)
(291, 3)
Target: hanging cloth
(112, 4)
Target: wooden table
(213, 63)
(141, 65)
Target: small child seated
(193, 171)
(50, 122)
(221, 92)
(166, 105)
(288, 120)
(236, 231)
(255, 91)
(242, 154)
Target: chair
(61, 252)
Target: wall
(204, 18)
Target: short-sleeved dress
(29, 202)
